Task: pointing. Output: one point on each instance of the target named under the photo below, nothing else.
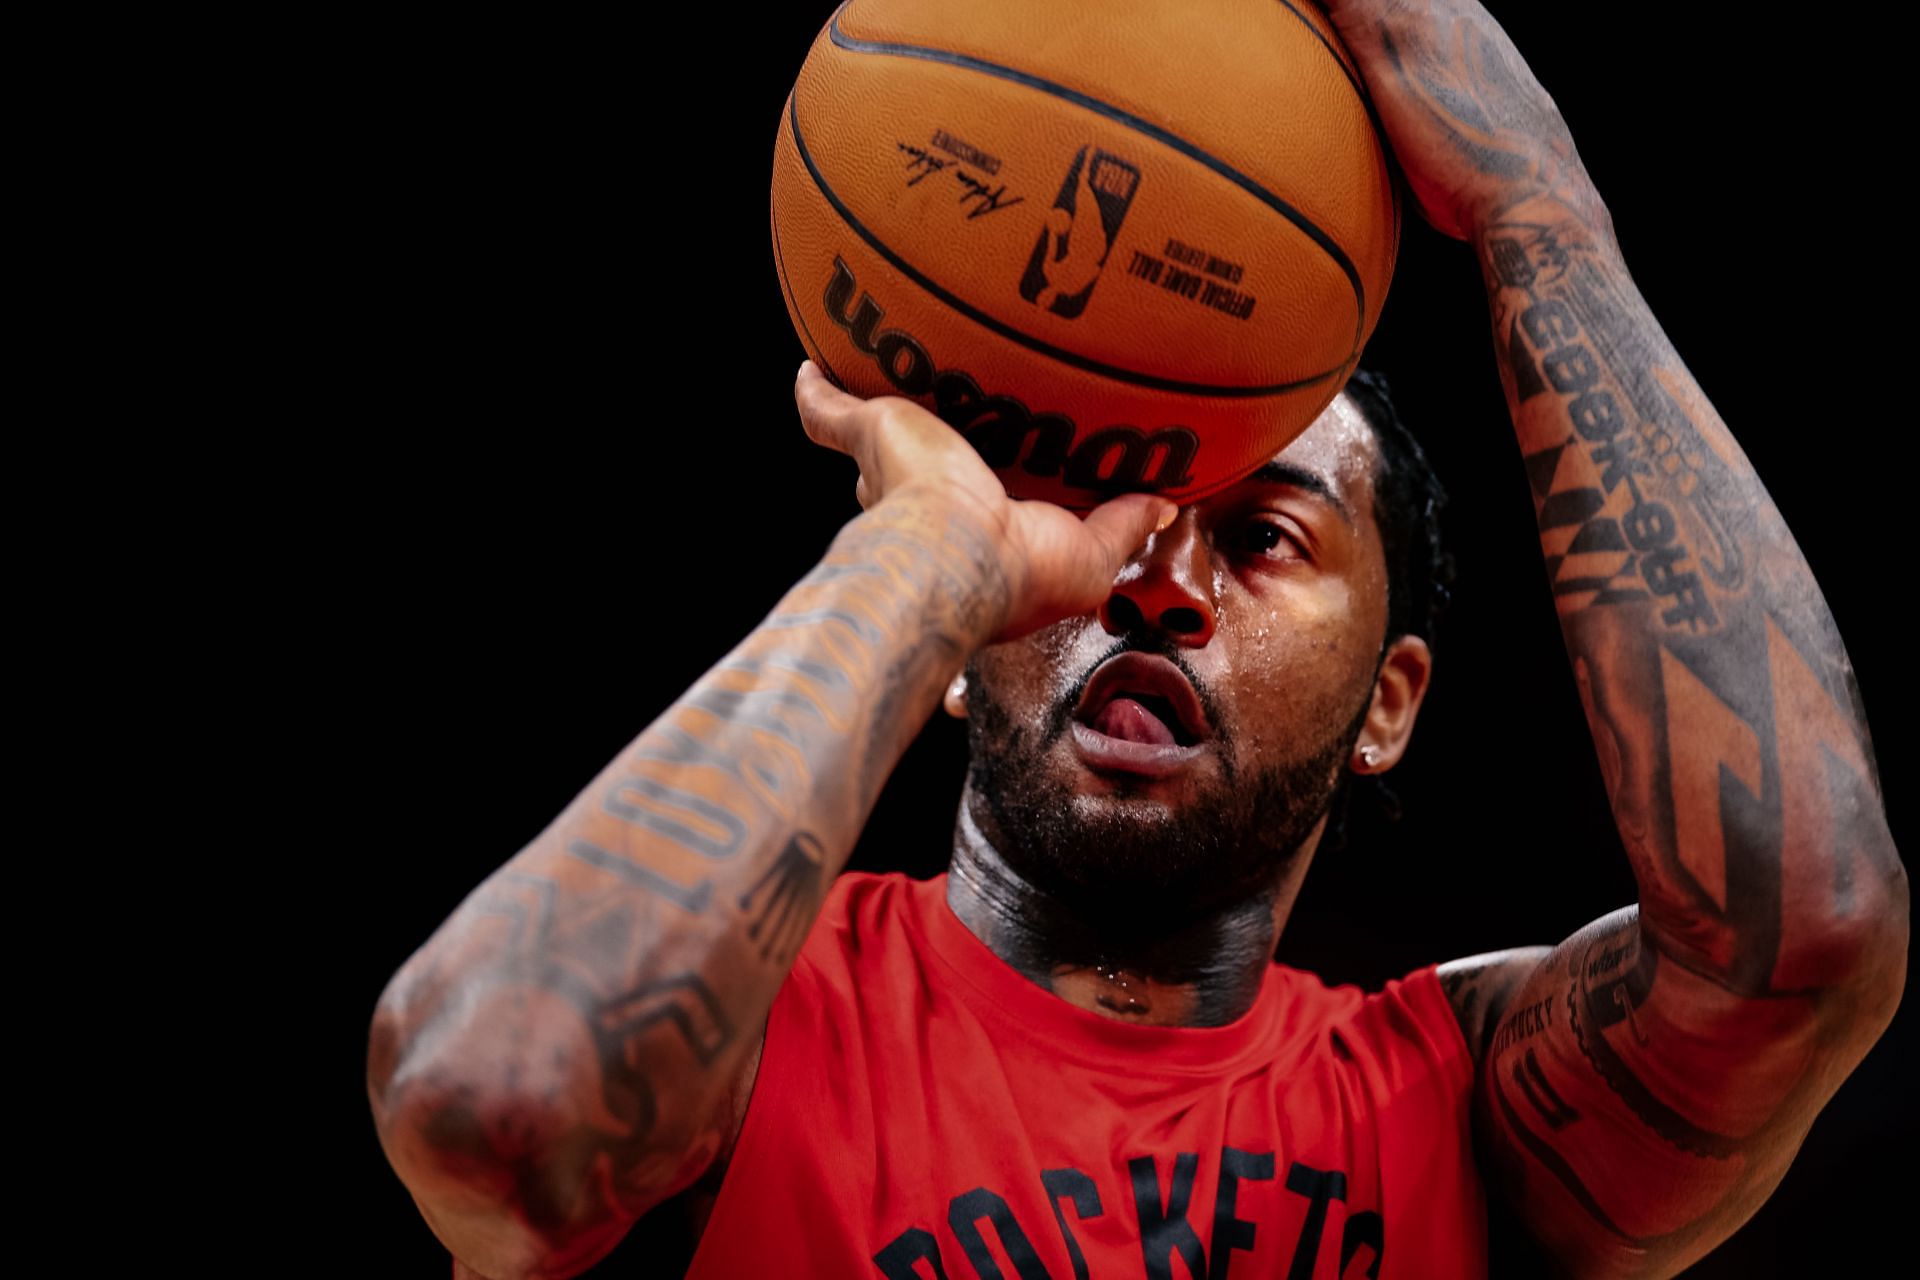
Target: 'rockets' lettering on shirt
(1158, 1196)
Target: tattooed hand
(1055, 563)
(1472, 128)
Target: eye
(1265, 538)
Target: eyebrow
(1277, 472)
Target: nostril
(1181, 621)
(1124, 614)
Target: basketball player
(1072, 1055)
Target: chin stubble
(1234, 841)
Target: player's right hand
(1055, 563)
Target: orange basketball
(1118, 244)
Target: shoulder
(1478, 989)
(861, 911)
(864, 944)
(866, 897)
(1407, 1016)
(1429, 1024)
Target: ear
(955, 700)
(1397, 693)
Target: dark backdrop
(566, 476)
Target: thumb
(825, 410)
(1123, 525)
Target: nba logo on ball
(1073, 244)
(954, 183)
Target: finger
(1122, 526)
(825, 410)
(861, 494)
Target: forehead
(1339, 450)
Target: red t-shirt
(922, 1110)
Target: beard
(1138, 865)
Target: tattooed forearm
(1649, 1083)
(1691, 1039)
(790, 882)
(561, 1042)
(1481, 112)
(1729, 727)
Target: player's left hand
(1471, 127)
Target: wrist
(1570, 208)
(957, 547)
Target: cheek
(1301, 675)
(1317, 628)
(1028, 674)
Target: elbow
(499, 1191)
(517, 1175)
(1884, 960)
(1881, 938)
(454, 1125)
(1842, 911)
(1870, 955)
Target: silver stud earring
(1368, 755)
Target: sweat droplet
(1126, 992)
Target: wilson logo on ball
(1079, 232)
(1114, 459)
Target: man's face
(1168, 753)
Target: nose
(1169, 585)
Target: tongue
(1126, 719)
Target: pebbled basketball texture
(1118, 245)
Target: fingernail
(801, 372)
(1167, 517)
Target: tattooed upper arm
(1479, 987)
(1633, 1112)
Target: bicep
(1633, 1113)
(1480, 987)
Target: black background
(562, 475)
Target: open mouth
(1141, 698)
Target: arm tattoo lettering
(576, 1020)
(1650, 1082)
(792, 882)
(1728, 727)
(1641, 1064)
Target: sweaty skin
(1646, 1083)
(1157, 895)
(573, 1047)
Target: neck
(1202, 971)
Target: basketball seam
(799, 312)
(1333, 53)
(1306, 225)
(1373, 114)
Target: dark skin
(1286, 585)
(1288, 589)
(1273, 595)
(574, 1047)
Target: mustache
(1062, 714)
